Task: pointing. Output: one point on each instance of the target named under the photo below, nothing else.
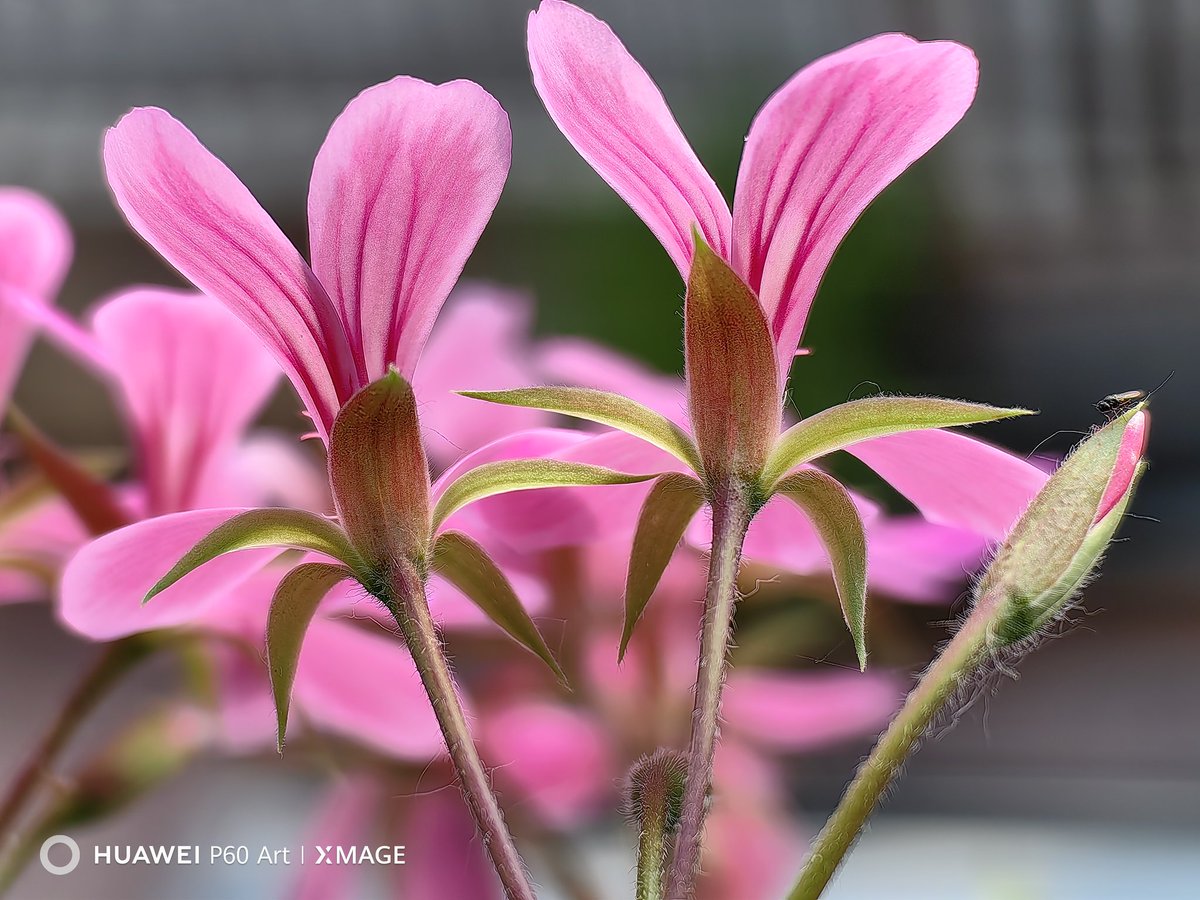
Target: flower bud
(1058, 542)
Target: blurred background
(1046, 254)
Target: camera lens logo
(59, 840)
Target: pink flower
(189, 378)
(400, 192)
(818, 152)
(35, 250)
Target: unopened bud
(1056, 545)
(654, 788)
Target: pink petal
(104, 583)
(752, 846)
(955, 480)
(581, 362)
(1129, 457)
(271, 469)
(245, 707)
(191, 376)
(799, 711)
(444, 856)
(822, 148)
(363, 685)
(46, 534)
(344, 818)
(911, 559)
(554, 760)
(615, 116)
(187, 205)
(35, 250)
(479, 343)
(401, 190)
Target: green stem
(652, 852)
(731, 518)
(954, 665)
(411, 610)
(114, 661)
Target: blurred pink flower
(35, 251)
(401, 190)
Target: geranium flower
(817, 153)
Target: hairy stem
(410, 608)
(954, 665)
(114, 661)
(652, 849)
(731, 517)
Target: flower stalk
(953, 667)
(731, 518)
(405, 599)
(116, 659)
(1045, 561)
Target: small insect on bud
(1056, 545)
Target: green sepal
(296, 599)
(666, 512)
(466, 565)
(508, 475)
(734, 394)
(830, 509)
(603, 407)
(378, 471)
(274, 527)
(872, 417)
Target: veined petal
(191, 376)
(615, 116)
(35, 250)
(822, 148)
(103, 585)
(954, 479)
(187, 205)
(401, 190)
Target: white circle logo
(58, 840)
